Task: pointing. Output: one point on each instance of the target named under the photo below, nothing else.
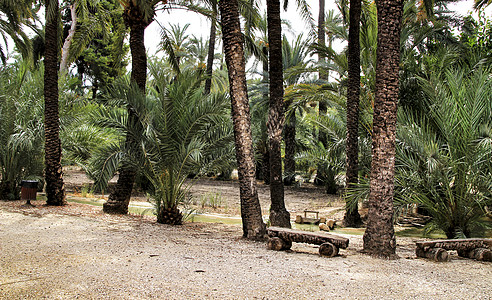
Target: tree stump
(328, 250)
(277, 244)
(436, 254)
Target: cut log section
(299, 236)
(278, 244)
(328, 250)
(482, 254)
(437, 254)
(324, 227)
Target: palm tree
(137, 16)
(21, 127)
(176, 42)
(253, 226)
(352, 217)
(379, 237)
(443, 155)
(55, 191)
(279, 216)
(185, 133)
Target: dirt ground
(77, 252)
(222, 197)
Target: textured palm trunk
(352, 216)
(55, 192)
(119, 199)
(321, 178)
(210, 57)
(253, 226)
(290, 148)
(265, 151)
(279, 216)
(379, 237)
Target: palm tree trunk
(119, 199)
(352, 216)
(253, 226)
(290, 147)
(379, 237)
(265, 151)
(321, 175)
(279, 216)
(55, 191)
(210, 57)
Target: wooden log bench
(479, 249)
(282, 238)
(310, 220)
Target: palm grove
(401, 116)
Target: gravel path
(78, 252)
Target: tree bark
(253, 226)
(55, 191)
(437, 254)
(119, 199)
(482, 254)
(457, 244)
(290, 148)
(352, 216)
(321, 175)
(68, 40)
(210, 57)
(379, 237)
(279, 216)
(265, 149)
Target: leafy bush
(21, 127)
(444, 157)
(180, 131)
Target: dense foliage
(444, 131)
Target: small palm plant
(181, 131)
(444, 158)
(21, 128)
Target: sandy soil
(77, 252)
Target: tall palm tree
(253, 226)
(279, 216)
(379, 237)
(137, 16)
(55, 191)
(352, 217)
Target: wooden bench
(282, 238)
(308, 220)
(479, 249)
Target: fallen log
(299, 236)
(436, 254)
(462, 245)
(482, 254)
